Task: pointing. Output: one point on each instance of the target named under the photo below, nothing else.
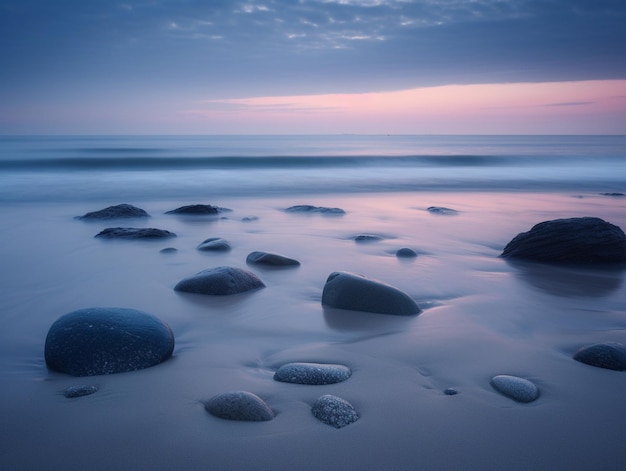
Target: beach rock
(450, 392)
(312, 373)
(357, 293)
(168, 250)
(586, 240)
(406, 253)
(308, 209)
(334, 411)
(116, 212)
(270, 259)
(214, 244)
(441, 210)
(198, 210)
(134, 233)
(609, 355)
(518, 389)
(617, 194)
(367, 238)
(239, 405)
(98, 341)
(220, 281)
(79, 391)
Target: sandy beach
(482, 316)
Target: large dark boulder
(220, 281)
(116, 212)
(357, 293)
(609, 355)
(98, 341)
(587, 240)
(134, 233)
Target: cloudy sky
(312, 66)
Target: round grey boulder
(220, 281)
(334, 411)
(134, 233)
(518, 389)
(587, 240)
(214, 244)
(116, 212)
(98, 341)
(312, 373)
(354, 292)
(609, 355)
(239, 405)
(79, 391)
(270, 259)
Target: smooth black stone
(214, 244)
(441, 210)
(357, 293)
(116, 212)
(406, 253)
(312, 373)
(134, 233)
(239, 405)
(98, 341)
(79, 391)
(585, 240)
(609, 355)
(197, 210)
(334, 411)
(270, 259)
(367, 238)
(306, 208)
(220, 281)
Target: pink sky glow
(585, 107)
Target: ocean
(79, 168)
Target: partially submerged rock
(518, 389)
(405, 252)
(357, 293)
(214, 244)
(197, 210)
(308, 209)
(98, 341)
(588, 240)
(312, 373)
(441, 210)
(239, 405)
(270, 259)
(134, 233)
(116, 212)
(334, 411)
(367, 238)
(220, 281)
(79, 391)
(609, 355)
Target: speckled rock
(441, 210)
(98, 341)
(220, 281)
(79, 391)
(334, 411)
(406, 253)
(308, 209)
(134, 233)
(518, 389)
(357, 293)
(239, 405)
(214, 244)
(116, 212)
(197, 210)
(609, 355)
(270, 259)
(312, 373)
(588, 240)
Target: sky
(313, 67)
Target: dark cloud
(221, 48)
